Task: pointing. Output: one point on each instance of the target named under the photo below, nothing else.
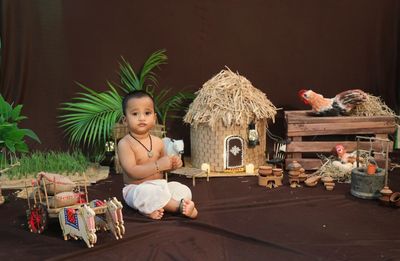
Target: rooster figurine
(341, 104)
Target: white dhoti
(154, 194)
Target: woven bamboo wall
(207, 145)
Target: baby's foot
(188, 208)
(156, 214)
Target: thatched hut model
(222, 116)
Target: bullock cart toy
(56, 196)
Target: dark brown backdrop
(281, 46)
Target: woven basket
(120, 130)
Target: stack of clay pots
(294, 169)
(328, 183)
(389, 198)
(386, 193)
(303, 176)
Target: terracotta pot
(395, 199)
(329, 184)
(294, 173)
(385, 200)
(329, 188)
(294, 165)
(327, 179)
(302, 177)
(386, 191)
(266, 168)
(277, 172)
(371, 169)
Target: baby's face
(140, 116)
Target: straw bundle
(342, 175)
(231, 98)
(374, 106)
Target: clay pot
(264, 173)
(302, 177)
(277, 172)
(386, 191)
(311, 184)
(329, 188)
(371, 169)
(312, 181)
(326, 179)
(395, 199)
(294, 173)
(329, 184)
(266, 170)
(385, 200)
(294, 165)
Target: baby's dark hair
(134, 94)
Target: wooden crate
(300, 124)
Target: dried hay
(374, 106)
(330, 170)
(341, 175)
(231, 98)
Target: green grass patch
(57, 162)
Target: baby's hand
(176, 162)
(165, 163)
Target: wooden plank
(296, 155)
(336, 129)
(338, 119)
(326, 146)
(301, 117)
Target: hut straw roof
(231, 98)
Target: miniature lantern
(253, 136)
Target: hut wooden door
(234, 153)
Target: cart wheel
(37, 218)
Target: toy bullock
(109, 216)
(174, 147)
(78, 223)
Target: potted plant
(12, 138)
(91, 117)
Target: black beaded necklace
(149, 151)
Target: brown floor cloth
(238, 220)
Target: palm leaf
(90, 119)
(173, 103)
(131, 81)
(156, 59)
